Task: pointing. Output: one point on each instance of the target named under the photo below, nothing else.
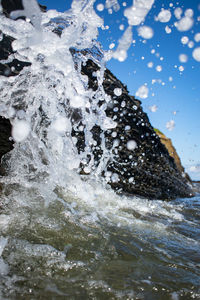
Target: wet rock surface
(172, 152)
(139, 164)
(147, 170)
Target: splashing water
(63, 236)
(31, 11)
(42, 96)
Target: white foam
(164, 16)
(146, 32)
(61, 125)
(77, 101)
(153, 108)
(181, 68)
(196, 54)
(183, 58)
(121, 27)
(190, 44)
(112, 4)
(108, 123)
(112, 45)
(124, 44)
(131, 145)
(142, 92)
(178, 12)
(197, 37)
(189, 13)
(170, 125)
(118, 91)
(159, 68)
(168, 30)
(184, 40)
(184, 24)
(31, 11)
(137, 12)
(20, 130)
(100, 7)
(150, 64)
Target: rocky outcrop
(139, 163)
(147, 170)
(6, 143)
(172, 152)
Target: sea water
(66, 236)
(94, 244)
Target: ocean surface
(98, 246)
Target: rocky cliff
(139, 163)
(148, 170)
(172, 152)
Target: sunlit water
(63, 236)
(99, 246)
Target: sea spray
(42, 100)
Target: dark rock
(6, 143)
(148, 170)
(15, 66)
(172, 152)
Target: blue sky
(175, 92)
